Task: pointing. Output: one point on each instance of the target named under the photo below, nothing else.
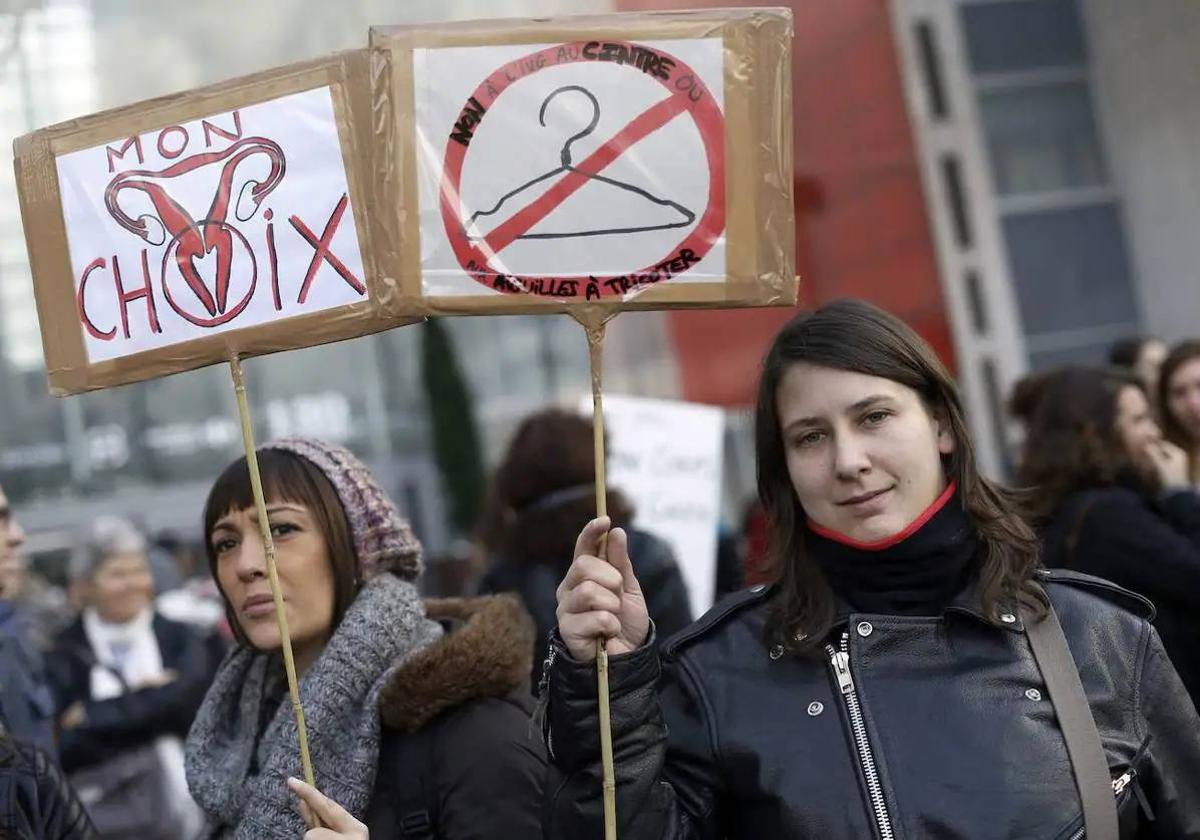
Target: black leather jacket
(36, 802)
(936, 728)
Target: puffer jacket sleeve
(64, 817)
(1173, 747)
(35, 798)
(665, 766)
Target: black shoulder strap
(1078, 726)
(417, 805)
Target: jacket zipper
(840, 660)
(1118, 786)
(542, 709)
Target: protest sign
(173, 233)
(628, 162)
(666, 457)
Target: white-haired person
(127, 683)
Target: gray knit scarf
(340, 692)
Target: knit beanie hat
(383, 539)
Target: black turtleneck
(916, 572)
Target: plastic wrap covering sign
(578, 171)
(216, 224)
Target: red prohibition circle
(688, 94)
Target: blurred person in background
(1144, 356)
(417, 712)
(756, 537)
(36, 801)
(1179, 396)
(1111, 498)
(196, 600)
(127, 683)
(542, 495)
(26, 703)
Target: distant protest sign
(666, 457)
(634, 161)
(167, 235)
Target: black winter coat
(940, 725)
(537, 585)
(1151, 547)
(36, 802)
(458, 752)
(137, 717)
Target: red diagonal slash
(321, 251)
(652, 119)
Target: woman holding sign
(417, 714)
(903, 676)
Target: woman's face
(121, 587)
(305, 576)
(1136, 426)
(1183, 398)
(864, 453)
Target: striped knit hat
(383, 539)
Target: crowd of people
(888, 674)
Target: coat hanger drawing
(686, 215)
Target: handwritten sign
(220, 223)
(619, 182)
(625, 161)
(666, 456)
(166, 235)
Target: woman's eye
(279, 529)
(808, 439)
(221, 546)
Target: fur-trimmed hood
(486, 652)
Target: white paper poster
(221, 223)
(666, 457)
(579, 171)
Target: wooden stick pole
(260, 504)
(595, 336)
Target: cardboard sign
(631, 161)
(167, 235)
(666, 457)
(566, 216)
(593, 163)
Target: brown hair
(1026, 393)
(1180, 355)
(1127, 352)
(856, 336)
(287, 477)
(1073, 442)
(542, 493)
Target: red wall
(861, 220)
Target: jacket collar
(968, 601)
(487, 652)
